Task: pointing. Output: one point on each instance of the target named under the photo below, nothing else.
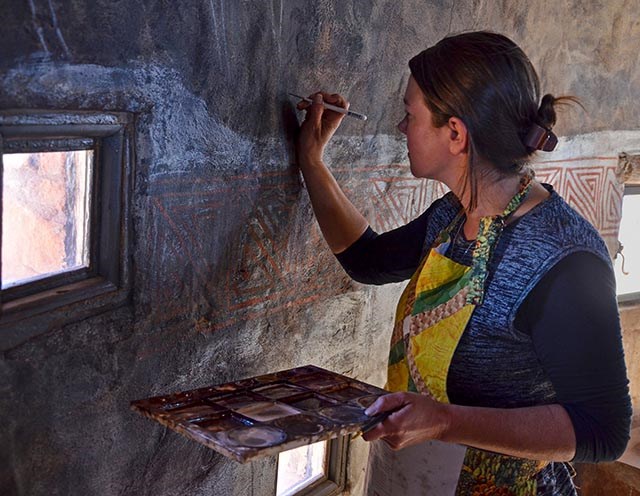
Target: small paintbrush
(372, 422)
(335, 108)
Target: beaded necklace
(489, 231)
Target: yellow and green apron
(432, 314)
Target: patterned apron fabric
(432, 315)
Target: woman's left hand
(415, 418)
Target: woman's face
(427, 145)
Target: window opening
(319, 469)
(299, 468)
(627, 260)
(46, 201)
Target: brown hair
(488, 82)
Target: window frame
(76, 294)
(630, 189)
(629, 175)
(334, 481)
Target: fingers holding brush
(335, 100)
(412, 418)
(318, 127)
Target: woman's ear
(458, 136)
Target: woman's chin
(420, 172)
(415, 171)
(412, 167)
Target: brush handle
(375, 420)
(341, 110)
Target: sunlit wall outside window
(300, 467)
(627, 265)
(45, 214)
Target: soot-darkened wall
(231, 277)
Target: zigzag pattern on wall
(244, 249)
(589, 185)
(398, 200)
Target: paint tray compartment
(265, 415)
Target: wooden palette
(267, 414)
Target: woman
(506, 357)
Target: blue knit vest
(495, 364)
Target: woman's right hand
(341, 223)
(318, 126)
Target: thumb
(315, 110)
(392, 401)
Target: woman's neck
(493, 196)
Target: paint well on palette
(268, 378)
(312, 403)
(254, 437)
(347, 393)
(235, 402)
(222, 423)
(344, 414)
(318, 381)
(264, 411)
(197, 411)
(302, 425)
(278, 391)
(367, 401)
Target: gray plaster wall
(230, 275)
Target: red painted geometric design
(591, 187)
(398, 200)
(244, 247)
(230, 250)
(551, 175)
(242, 250)
(582, 190)
(611, 203)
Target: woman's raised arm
(340, 222)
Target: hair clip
(540, 138)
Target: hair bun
(546, 116)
